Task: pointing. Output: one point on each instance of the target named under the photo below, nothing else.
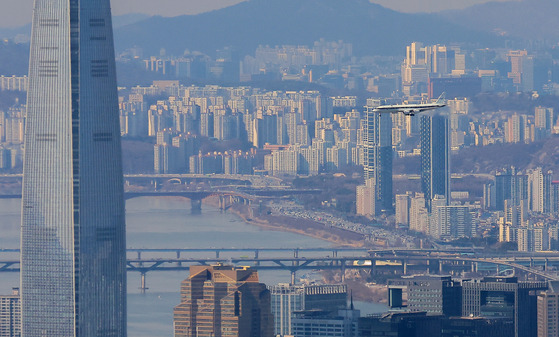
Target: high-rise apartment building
(13, 83)
(452, 222)
(522, 70)
(403, 209)
(435, 158)
(544, 118)
(289, 298)
(510, 185)
(365, 203)
(539, 190)
(378, 157)
(419, 216)
(73, 257)
(515, 129)
(10, 315)
(423, 62)
(220, 301)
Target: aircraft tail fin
(441, 99)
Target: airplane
(412, 109)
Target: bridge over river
(228, 196)
(399, 261)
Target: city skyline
(267, 130)
(15, 13)
(73, 258)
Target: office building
(420, 324)
(378, 157)
(73, 252)
(476, 327)
(503, 298)
(401, 324)
(289, 298)
(219, 301)
(433, 294)
(548, 311)
(321, 323)
(435, 158)
(10, 315)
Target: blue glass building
(73, 258)
(378, 157)
(435, 158)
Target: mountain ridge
(276, 22)
(527, 19)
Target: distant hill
(528, 19)
(128, 19)
(14, 59)
(487, 159)
(118, 21)
(371, 28)
(10, 33)
(523, 156)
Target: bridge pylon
(196, 206)
(143, 285)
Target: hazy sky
(18, 12)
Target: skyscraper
(223, 301)
(435, 157)
(378, 157)
(289, 298)
(73, 258)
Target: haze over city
(296, 168)
(15, 13)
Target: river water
(168, 223)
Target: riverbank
(306, 227)
(357, 283)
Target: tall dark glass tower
(73, 257)
(378, 157)
(435, 157)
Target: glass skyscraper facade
(435, 158)
(73, 257)
(378, 157)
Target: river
(168, 223)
